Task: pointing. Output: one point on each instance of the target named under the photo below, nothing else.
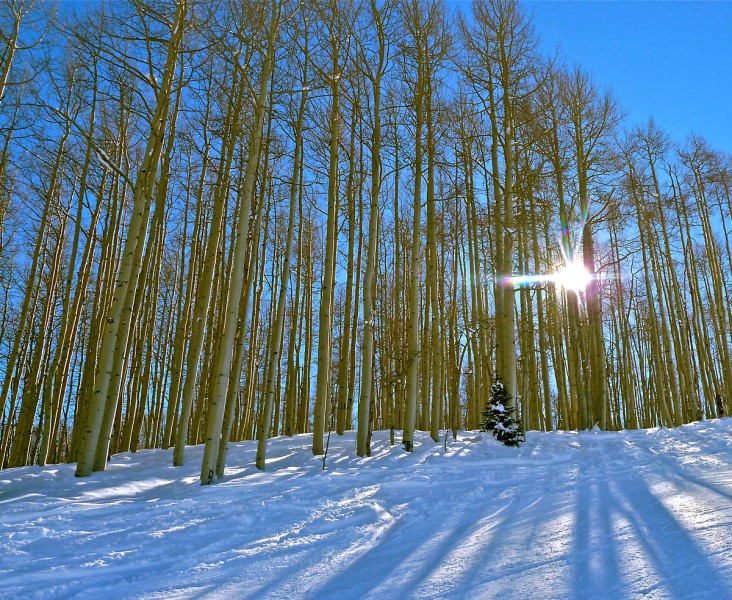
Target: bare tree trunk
(128, 271)
(278, 326)
(369, 282)
(217, 399)
(325, 314)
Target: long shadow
(613, 576)
(685, 570)
(582, 534)
(510, 545)
(679, 472)
(482, 533)
(517, 529)
(402, 544)
(596, 572)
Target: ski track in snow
(635, 514)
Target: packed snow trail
(637, 514)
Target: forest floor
(635, 514)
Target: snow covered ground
(641, 514)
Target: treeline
(232, 220)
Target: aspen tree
(698, 159)
(533, 416)
(13, 369)
(147, 284)
(593, 117)
(202, 315)
(137, 294)
(155, 337)
(21, 452)
(51, 406)
(442, 415)
(278, 322)
(671, 370)
(17, 14)
(307, 327)
(344, 361)
(336, 23)
(502, 44)
(185, 312)
(277, 327)
(255, 286)
(254, 293)
(571, 386)
(137, 392)
(505, 309)
(119, 365)
(397, 330)
(435, 55)
(416, 26)
(224, 266)
(455, 355)
(291, 381)
(698, 324)
(375, 75)
(6, 184)
(655, 336)
(654, 146)
(481, 264)
(254, 258)
(713, 377)
(10, 41)
(108, 263)
(126, 277)
(210, 335)
(477, 322)
(58, 376)
(541, 313)
(23, 28)
(426, 359)
(624, 353)
(217, 397)
(358, 217)
(260, 212)
(723, 167)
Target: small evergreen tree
(498, 417)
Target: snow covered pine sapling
(498, 417)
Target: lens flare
(573, 277)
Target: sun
(573, 277)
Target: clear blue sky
(668, 60)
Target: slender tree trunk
(413, 350)
(217, 399)
(128, 271)
(325, 314)
(369, 282)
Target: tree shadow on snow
(475, 550)
(595, 569)
(627, 523)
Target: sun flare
(573, 277)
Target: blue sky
(668, 60)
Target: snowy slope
(590, 515)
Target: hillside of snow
(636, 514)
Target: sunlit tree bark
(217, 398)
(129, 270)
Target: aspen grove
(225, 221)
